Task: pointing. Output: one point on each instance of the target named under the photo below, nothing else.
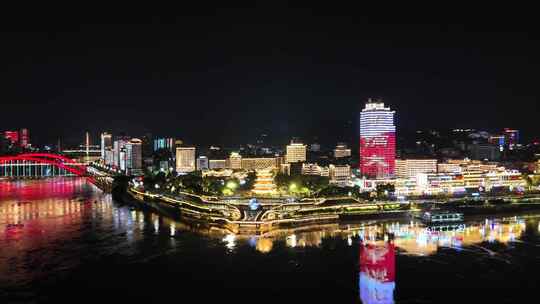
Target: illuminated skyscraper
(377, 140)
(24, 138)
(185, 159)
(106, 143)
(134, 156)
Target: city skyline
(259, 74)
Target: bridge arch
(59, 161)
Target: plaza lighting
(292, 187)
(231, 185)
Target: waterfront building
(341, 150)
(185, 159)
(106, 143)
(134, 157)
(411, 167)
(217, 164)
(377, 140)
(202, 163)
(264, 183)
(340, 174)
(296, 152)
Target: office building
(202, 163)
(406, 168)
(377, 140)
(315, 169)
(341, 150)
(217, 164)
(134, 157)
(164, 143)
(485, 152)
(185, 159)
(315, 147)
(106, 143)
(340, 174)
(295, 152)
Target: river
(63, 240)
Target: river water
(63, 240)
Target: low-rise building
(340, 174)
(406, 168)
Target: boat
(441, 217)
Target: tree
(249, 181)
(385, 190)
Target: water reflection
(410, 237)
(56, 224)
(377, 272)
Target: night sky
(224, 75)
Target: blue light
(254, 204)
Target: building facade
(341, 150)
(340, 174)
(377, 140)
(185, 159)
(106, 143)
(295, 152)
(202, 163)
(134, 157)
(406, 168)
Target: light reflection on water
(59, 223)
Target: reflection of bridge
(39, 165)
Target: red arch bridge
(40, 165)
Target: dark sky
(220, 75)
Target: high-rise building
(296, 152)
(315, 147)
(12, 136)
(24, 138)
(118, 145)
(202, 163)
(134, 156)
(341, 150)
(164, 143)
(106, 143)
(377, 140)
(485, 151)
(406, 168)
(512, 138)
(185, 159)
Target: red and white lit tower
(377, 140)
